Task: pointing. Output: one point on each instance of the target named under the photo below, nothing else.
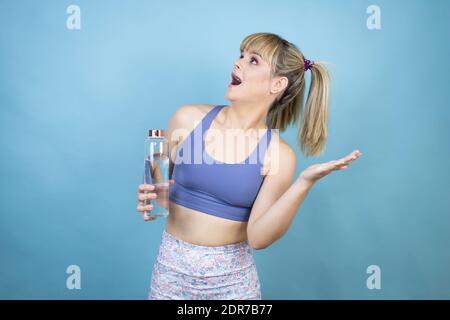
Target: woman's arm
(278, 201)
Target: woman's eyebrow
(255, 53)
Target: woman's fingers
(145, 187)
(142, 208)
(347, 159)
(317, 171)
(146, 196)
(341, 163)
(144, 211)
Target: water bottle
(156, 172)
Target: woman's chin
(230, 95)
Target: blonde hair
(287, 60)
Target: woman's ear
(279, 84)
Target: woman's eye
(252, 59)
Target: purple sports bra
(226, 190)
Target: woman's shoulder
(187, 115)
(191, 110)
(279, 153)
(285, 149)
(185, 118)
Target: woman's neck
(244, 117)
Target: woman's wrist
(304, 183)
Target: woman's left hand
(313, 173)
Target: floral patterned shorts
(186, 271)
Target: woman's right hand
(147, 192)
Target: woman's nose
(236, 65)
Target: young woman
(226, 205)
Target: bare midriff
(203, 229)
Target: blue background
(75, 107)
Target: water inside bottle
(156, 173)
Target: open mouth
(235, 80)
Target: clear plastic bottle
(157, 172)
